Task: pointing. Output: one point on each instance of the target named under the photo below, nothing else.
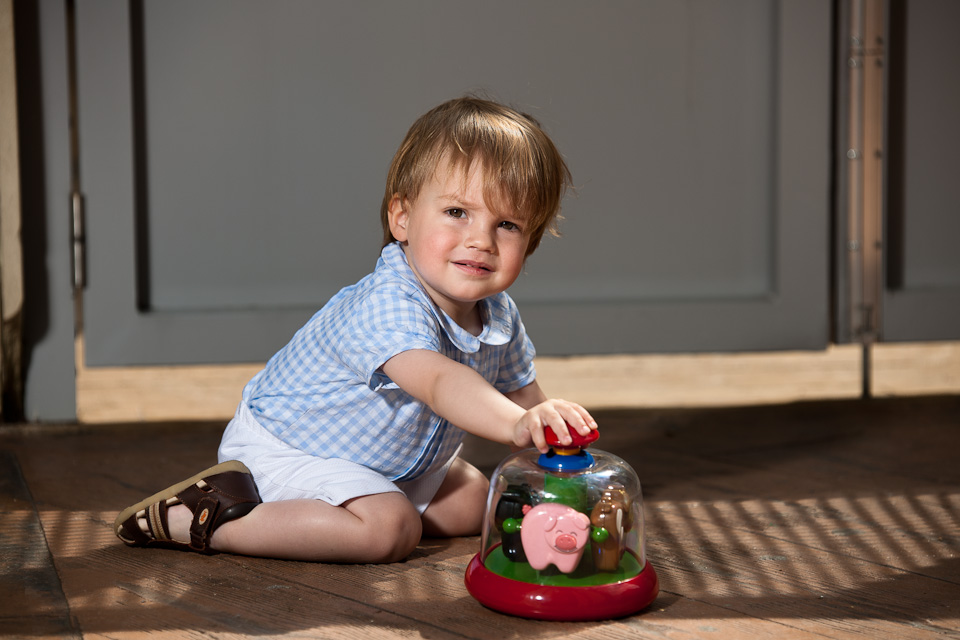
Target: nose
(481, 236)
(566, 542)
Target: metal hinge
(865, 175)
(79, 241)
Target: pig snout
(566, 542)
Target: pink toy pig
(555, 534)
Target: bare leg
(378, 528)
(457, 509)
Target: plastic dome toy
(563, 536)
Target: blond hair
(520, 165)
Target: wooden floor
(827, 519)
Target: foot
(179, 518)
(186, 515)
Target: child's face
(461, 249)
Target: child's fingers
(579, 418)
(539, 441)
(559, 427)
(530, 431)
(559, 416)
(550, 416)
(591, 423)
(553, 417)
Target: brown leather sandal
(218, 495)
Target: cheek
(514, 270)
(439, 240)
(432, 247)
(513, 256)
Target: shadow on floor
(822, 518)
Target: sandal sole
(173, 490)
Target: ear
(397, 216)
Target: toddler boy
(345, 446)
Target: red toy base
(570, 604)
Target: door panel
(232, 159)
(922, 294)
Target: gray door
(899, 93)
(922, 285)
(232, 157)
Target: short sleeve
(385, 322)
(517, 368)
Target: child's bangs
(516, 182)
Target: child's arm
(461, 395)
(529, 396)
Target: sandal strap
(157, 521)
(155, 516)
(204, 517)
(222, 498)
(129, 531)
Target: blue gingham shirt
(325, 393)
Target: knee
(474, 503)
(476, 496)
(458, 508)
(480, 502)
(394, 536)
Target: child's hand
(555, 415)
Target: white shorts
(283, 472)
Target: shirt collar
(494, 311)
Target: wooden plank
(31, 600)
(800, 564)
(127, 394)
(827, 519)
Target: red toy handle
(578, 440)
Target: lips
(473, 266)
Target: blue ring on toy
(556, 462)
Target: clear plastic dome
(563, 538)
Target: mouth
(470, 265)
